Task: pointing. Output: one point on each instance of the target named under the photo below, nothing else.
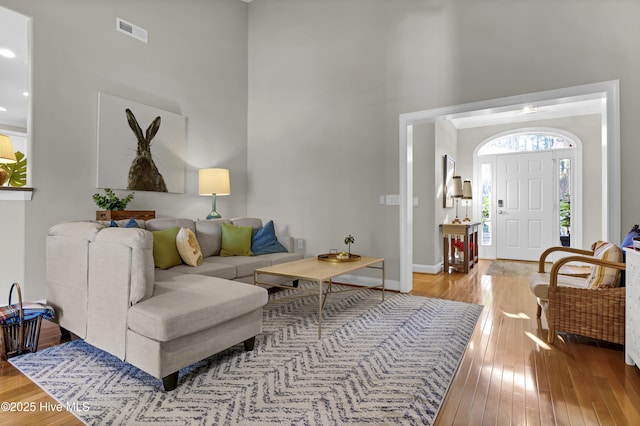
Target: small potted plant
(348, 241)
(110, 201)
(115, 207)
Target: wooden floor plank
(561, 387)
(505, 376)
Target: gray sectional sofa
(209, 235)
(104, 286)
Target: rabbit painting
(143, 173)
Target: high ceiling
(14, 72)
(14, 82)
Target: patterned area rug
(378, 362)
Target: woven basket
(22, 336)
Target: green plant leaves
(17, 171)
(110, 201)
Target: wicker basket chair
(571, 307)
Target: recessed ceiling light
(7, 53)
(527, 110)
(3, 109)
(25, 93)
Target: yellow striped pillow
(601, 276)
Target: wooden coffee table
(320, 272)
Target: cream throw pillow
(188, 247)
(603, 277)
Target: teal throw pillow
(264, 241)
(236, 240)
(165, 251)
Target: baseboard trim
(428, 269)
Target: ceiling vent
(132, 30)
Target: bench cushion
(539, 283)
(185, 304)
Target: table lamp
(7, 155)
(456, 194)
(213, 182)
(467, 195)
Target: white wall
(12, 257)
(328, 80)
(425, 183)
(195, 64)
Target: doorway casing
(609, 94)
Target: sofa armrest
(67, 266)
(287, 242)
(121, 273)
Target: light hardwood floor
(509, 375)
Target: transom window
(521, 142)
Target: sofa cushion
(264, 241)
(601, 276)
(236, 240)
(539, 283)
(165, 251)
(161, 223)
(209, 235)
(186, 304)
(188, 247)
(208, 267)
(277, 258)
(253, 222)
(244, 265)
(82, 230)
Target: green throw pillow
(165, 251)
(236, 240)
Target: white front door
(525, 205)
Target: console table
(462, 237)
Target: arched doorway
(608, 92)
(525, 211)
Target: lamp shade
(213, 181)
(7, 155)
(456, 189)
(466, 190)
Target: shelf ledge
(10, 193)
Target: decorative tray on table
(338, 257)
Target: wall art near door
(140, 147)
(448, 170)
